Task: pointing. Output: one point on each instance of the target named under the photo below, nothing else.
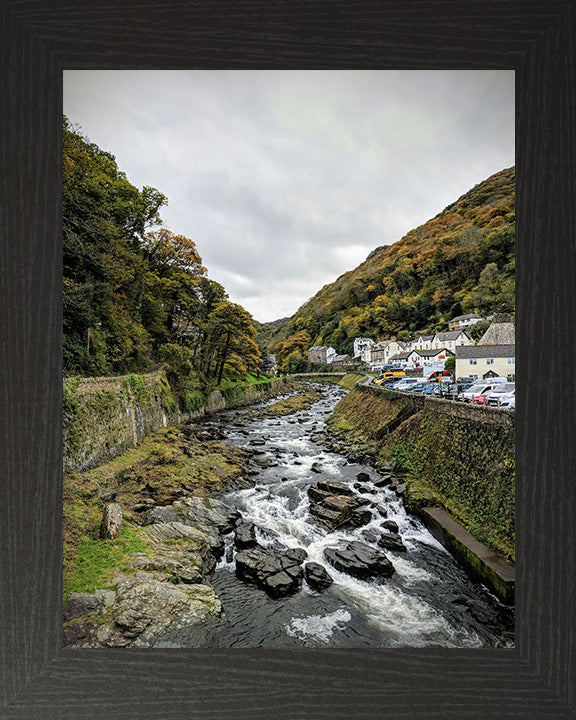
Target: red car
(480, 399)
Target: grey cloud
(286, 179)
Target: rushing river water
(428, 602)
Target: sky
(287, 179)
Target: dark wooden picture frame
(41, 38)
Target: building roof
(464, 352)
(431, 353)
(452, 335)
(400, 356)
(465, 317)
(340, 358)
(499, 333)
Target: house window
(511, 361)
(473, 362)
(489, 361)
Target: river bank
(197, 554)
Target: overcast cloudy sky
(286, 179)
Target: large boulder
(111, 521)
(391, 541)
(360, 561)
(277, 572)
(244, 535)
(144, 612)
(340, 509)
(335, 488)
(317, 576)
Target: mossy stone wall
(459, 457)
(103, 417)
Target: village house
(341, 360)
(484, 361)
(382, 352)
(424, 342)
(320, 354)
(361, 344)
(451, 340)
(461, 322)
(493, 355)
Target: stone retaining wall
(105, 416)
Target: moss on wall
(461, 459)
(105, 416)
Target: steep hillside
(460, 261)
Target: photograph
(288, 353)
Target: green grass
(98, 559)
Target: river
(428, 602)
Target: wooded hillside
(461, 261)
(135, 293)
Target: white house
(451, 340)
(424, 342)
(360, 344)
(461, 322)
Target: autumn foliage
(135, 293)
(460, 261)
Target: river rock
(111, 521)
(208, 513)
(372, 535)
(143, 505)
(383, 481)
(335, 488)
(109, 496)
(244, 535)
(317, 495)
(317, 576)
(359, 516)
(391, 541)
(79, 604)
(144, 612)
(360, 561)
(390, 525)
(271, 570)
(363, 477)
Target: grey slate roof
(452, 335)
(464, 352)
(431, 353)
(498, 334)
(465, 317)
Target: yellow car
(389, 375)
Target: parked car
(406, 383)
(449, 391)
(419, 387)
(389, 375)
(502, 396)
(440, 376)
(480, 388)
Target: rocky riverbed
(304, 547)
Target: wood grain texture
(39, 679)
